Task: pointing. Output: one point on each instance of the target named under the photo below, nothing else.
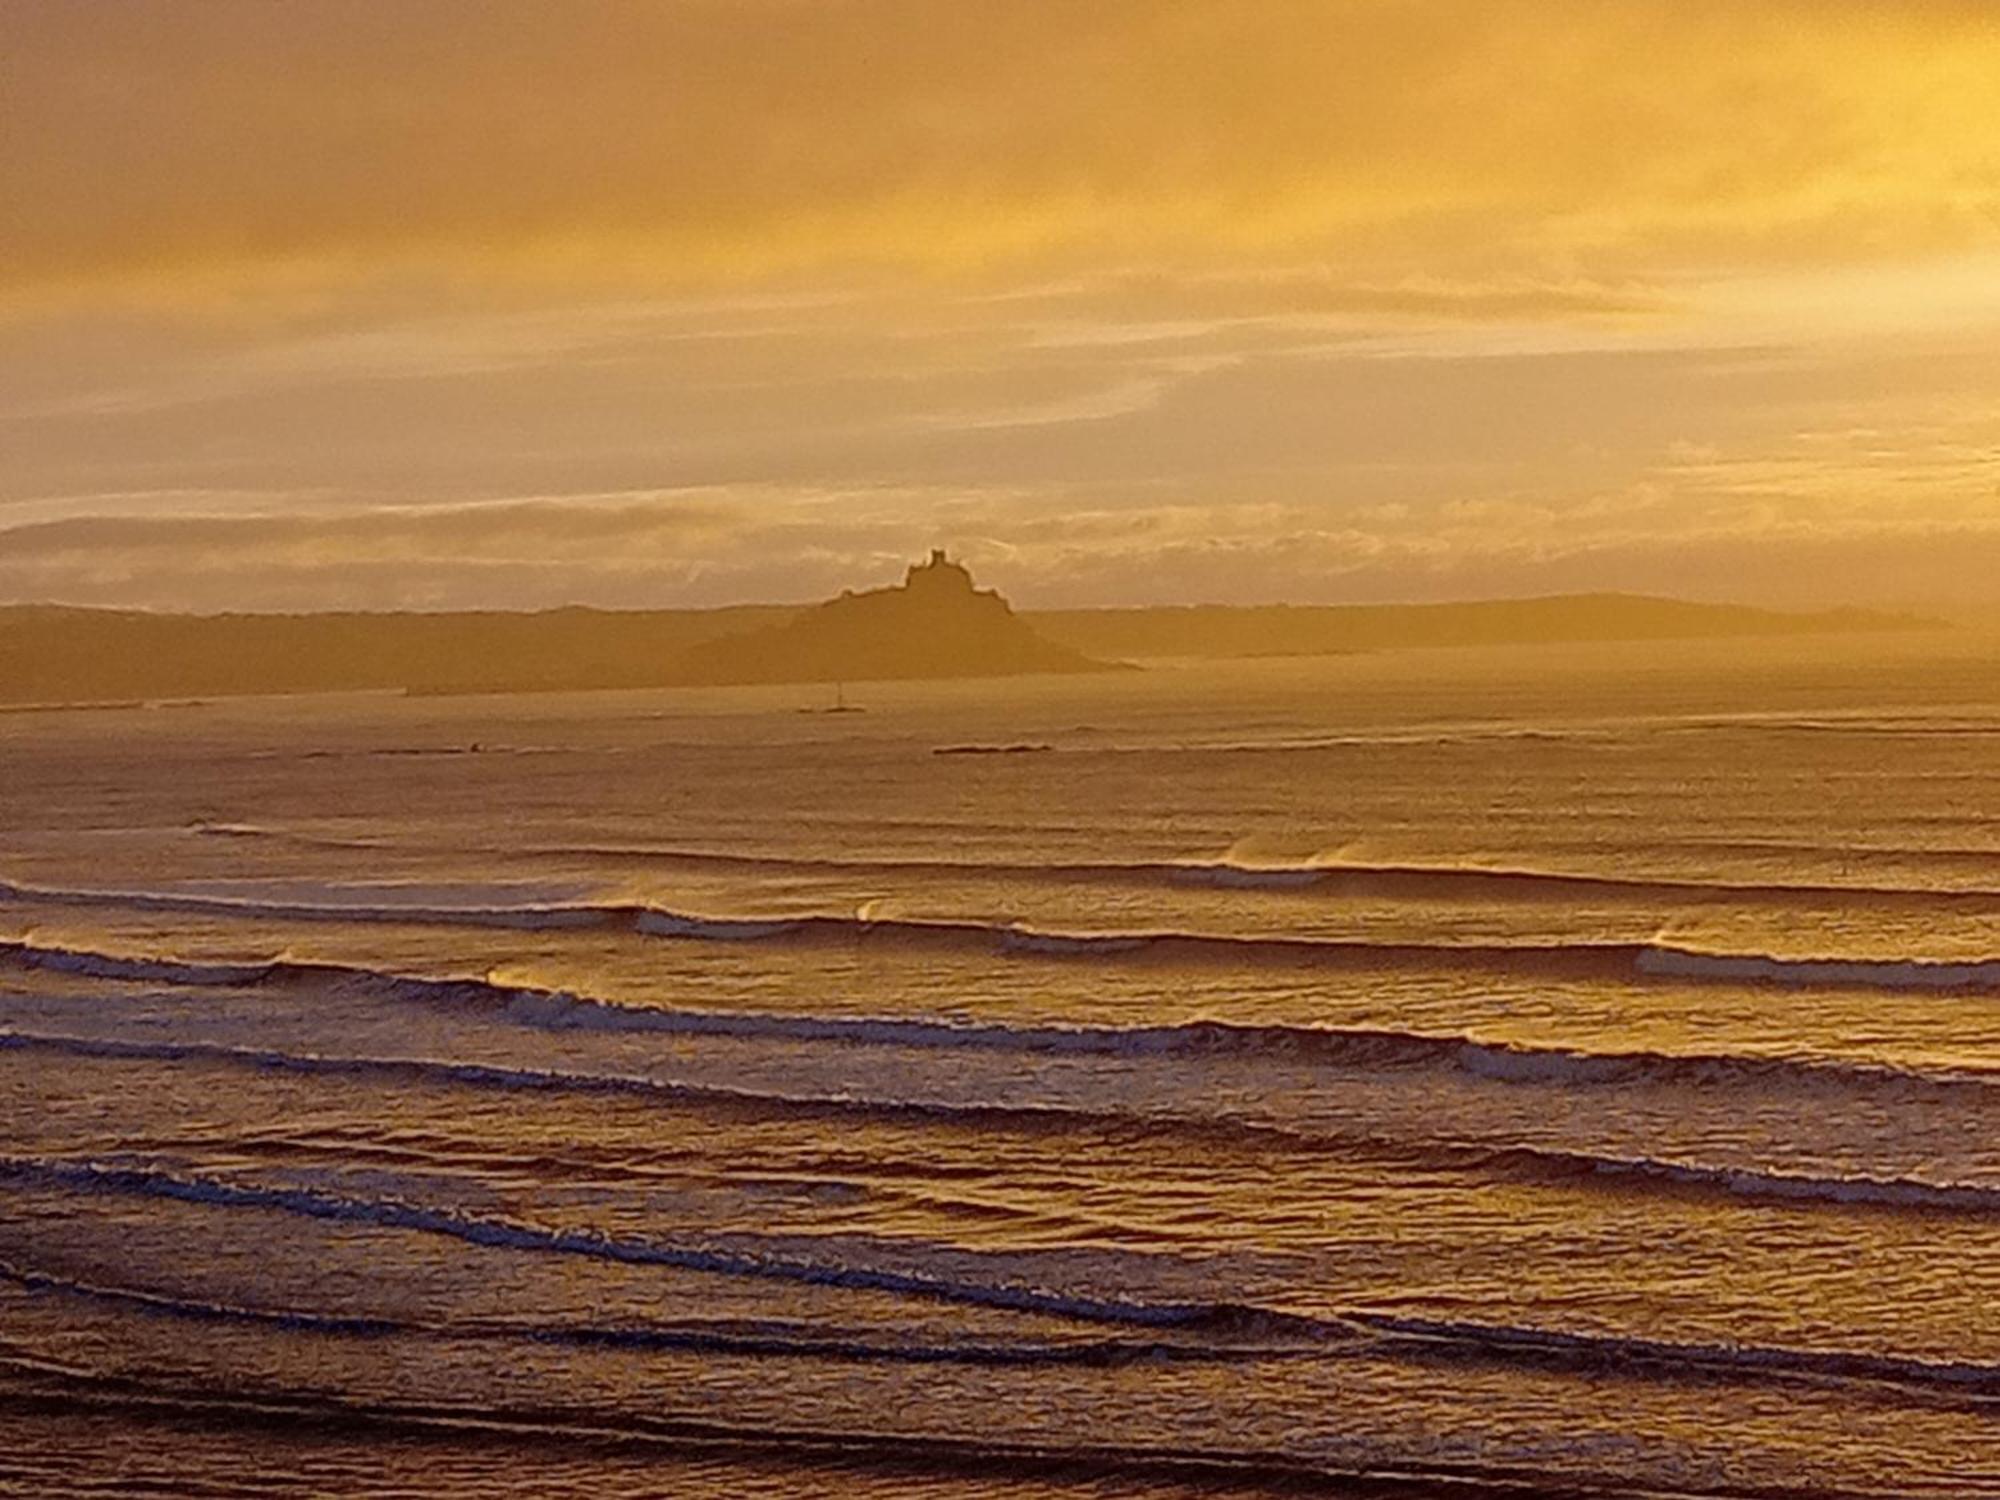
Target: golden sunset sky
(334, 304)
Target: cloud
(714, 140)
(1701, 533)
(684, 301)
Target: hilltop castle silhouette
(939, 576)
(936, 623)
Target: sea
(1563, 1071)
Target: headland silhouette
(937, 623)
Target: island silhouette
(937, 623)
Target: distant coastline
(935, 625)
(1279, 630)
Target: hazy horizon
(887, 576)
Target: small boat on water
(840, 705)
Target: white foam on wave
(1364, 1330)
(1535, 1163)
(781, 1264)
(1069, 945)
(1662, 961)
(1353, 1048)
(1512, 1340)
(1882, 1192)
(659, 923)
(354, 903)
(1234, 877)
(139, 970)
(1603, 959)
(741, 1336)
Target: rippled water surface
(1458, 1072)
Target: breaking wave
(1536, 1164)
(1336, 878)
(1615, 961)
(741, 1337)
(1519, 1163)
(1890, 974)
(1457, 1338)
(714, 1258)
(573, 1428)
(1206, 1329)
(1359, 1048)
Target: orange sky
(345, 304)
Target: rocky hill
(934, 624)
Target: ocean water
(1516, 1072)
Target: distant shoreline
(54, 656)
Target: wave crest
(1359, 1048)
(1615, 961)
(1521, 1163)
